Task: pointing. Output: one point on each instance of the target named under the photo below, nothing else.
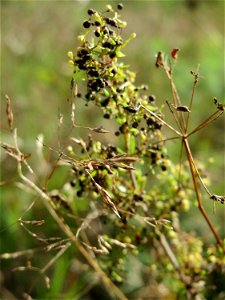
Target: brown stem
(208, 121)
(127, 147)
(196, 74)
(66, 229)
(201, 208)
(176, 99)
(175, 117)
(162, 121)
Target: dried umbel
(111, 86)
(121, 175)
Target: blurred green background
(36, 36)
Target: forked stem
(201, 208)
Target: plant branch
(185, 279)
(208, 121)
(196, 75)
(161, 120)
(127, 147)
(201, 208)
(66, 229)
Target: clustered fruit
(110, 85)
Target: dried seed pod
(218, 198)
(159, 59)
(9, 112)
(183, 108)
(130, 109)
(219, 105)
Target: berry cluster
(125, 170)
(110, 84)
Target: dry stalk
(200, 205)
(64, 227)
(184, 135)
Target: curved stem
(201, 208)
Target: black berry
(72, 183)
(111, 22)
(151, 98)
(163, 168)
(97, 23)
(107, 45)
(112, 54)
(105, 102)
(97, 33)
(91, 11)
(79, 193)
(135, 124)
(87, 24)
(93, 73)
(106, 116)
(120, 6)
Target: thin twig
(166, 247)
(52, 261)
(66, 229)
(161, 120)
(127, 147)
(206, 122)
(175, 117)
(192, 97)
(176, 98)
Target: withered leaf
(12, 151)
(218, 198)
(34, 222)
(159, 59)
(58, 198)
(79, 142)
(106, 198)
(124, 159)
(99, 130)
(123, 166)
(174, 53)
(219, 105)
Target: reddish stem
(201, 208)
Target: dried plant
(133, 194)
